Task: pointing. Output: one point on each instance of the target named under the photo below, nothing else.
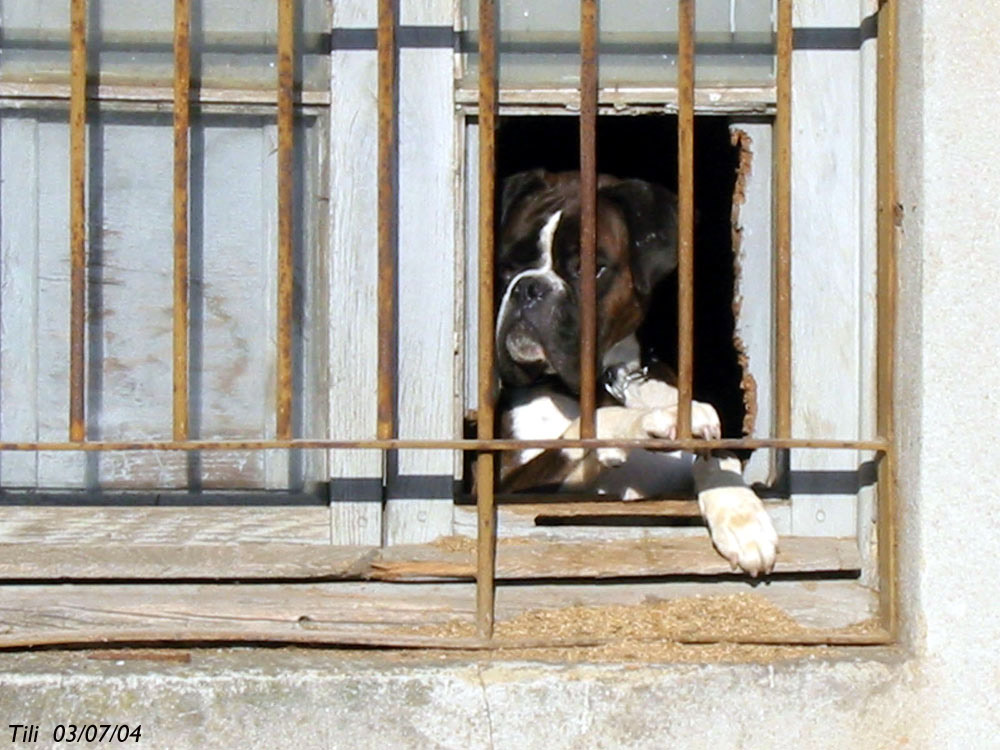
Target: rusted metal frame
(588, 217)
(886, 312)
(77, 216)
(877, 445)
(182, 121)
(387, 217)
(486, 514)
(286, 240)
(685, 216)
(783, 224)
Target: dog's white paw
(741, 530)
(705, 422)
(662, 422)
(611, 458)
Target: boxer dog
(538, 355)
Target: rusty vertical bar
(77, 215)
(588, 217)
(783, 224)
(182, 83)
(286, 256)
(685, 215)
(387, 298)
(486, 539)
(886, 311)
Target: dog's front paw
(611, 458)
(705, 422)
(662, 422)
(741, 530)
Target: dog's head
(538, 263)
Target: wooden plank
(828, 278)
(602, 520)
(103, 525)
(528, 558)
(450, 559)
(356, 485)
(708, 99)
(357, 612)
(419, 486)
(19, 221)
(190, 561)
(752, 237)
(869, 328)
(157, 94)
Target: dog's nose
(530, 290)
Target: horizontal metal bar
(112, 92)
(874, 444)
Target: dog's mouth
(522, 344)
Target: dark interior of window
(645, 147)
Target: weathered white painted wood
(356, 476)
(19, 183)
(52, 316)
(867, 61)
(120, 526)
(130, 294)
(355, 611)
(419, 490)
(528, 558)
(826, 272)
(755, 264)
(452, 560)
(516, 521)
(33, 614)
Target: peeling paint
(748, 385)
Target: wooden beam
(451, 559)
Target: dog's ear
(651, 216)
(519, 186)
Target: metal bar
(685, 216)
(77, 216)
(783, 224)
(886, 312)
(182, 121)
(486, 537)
(877, 445)
(588, 217)
(286, 257)
(387, 135)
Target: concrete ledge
(324, 699)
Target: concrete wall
(939, 691)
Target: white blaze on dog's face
(538, 263)
(533, 281)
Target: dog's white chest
(541, 415)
